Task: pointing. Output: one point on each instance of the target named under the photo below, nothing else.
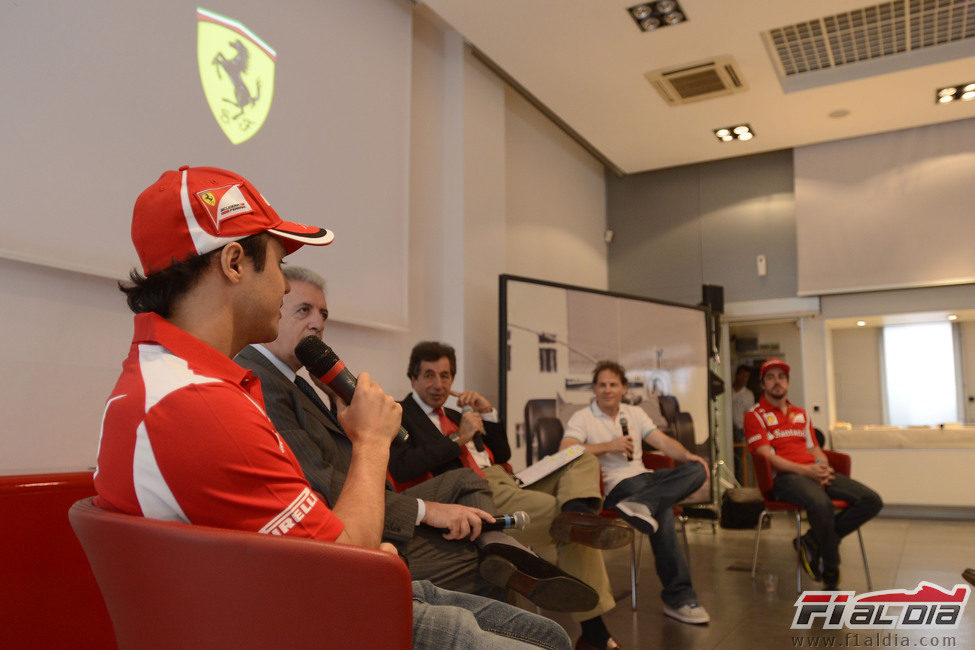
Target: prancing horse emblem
(235, 67)
(237, 73)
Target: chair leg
(758, 536)
(683, 532)
(798, 554)
(636, 546)
(866, 568)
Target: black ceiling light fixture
(960, 93)
(736, 132)
(653, 15)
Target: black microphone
(479, 435)
(518, 520)
(626, 432)
(323, 363)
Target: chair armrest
(653, 460)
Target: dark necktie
(307, 389)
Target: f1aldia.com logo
(928, 606)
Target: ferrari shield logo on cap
(237, 72)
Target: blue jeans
(659, 491)
(449, 619)
(826, 526)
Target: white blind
(886, 211)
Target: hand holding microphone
(626, 434)
(467, 401)
(518, 519)
(479, 434)
(323, 363)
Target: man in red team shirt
(185, 436)
(782, 432)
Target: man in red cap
(782, 432)
(185, 436)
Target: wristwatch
(454, 437)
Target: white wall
(65, 334)
(857, 375)
(556, 202)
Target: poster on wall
(552, 335)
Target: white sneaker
(638, 510)
(692, 612)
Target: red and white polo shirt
(185, 437)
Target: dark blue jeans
(659, 491)
(827, 526)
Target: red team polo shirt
(185, 438)
(790, 433)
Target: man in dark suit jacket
(458, 501)
(562, 505)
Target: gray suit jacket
(319, 444)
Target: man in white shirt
(611, 431)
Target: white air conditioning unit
(695, 82)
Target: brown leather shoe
(591, 530)
(612, 644)
(541, 582)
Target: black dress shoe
(541, 582)
(591, 530)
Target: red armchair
(169, 585)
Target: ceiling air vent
(698, 81)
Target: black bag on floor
(741, 507)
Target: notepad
(544, 467)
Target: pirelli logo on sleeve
(292, 515)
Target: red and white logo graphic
(928, 606)
(223, 203)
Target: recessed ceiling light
(952, 316)
(650, 16)
(673, 17)
(736, 132)
(641, 11)
(861, 323)
(960, 92)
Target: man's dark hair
(430, 351)
(159, 291)
(744, 367)
(619, 370)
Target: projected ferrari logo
(237, 72)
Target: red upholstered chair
(171, 585)
(763, 474)
(49, 597)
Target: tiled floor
(744, 614)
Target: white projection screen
(886, 211)
(102, 96)
(552, 335)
